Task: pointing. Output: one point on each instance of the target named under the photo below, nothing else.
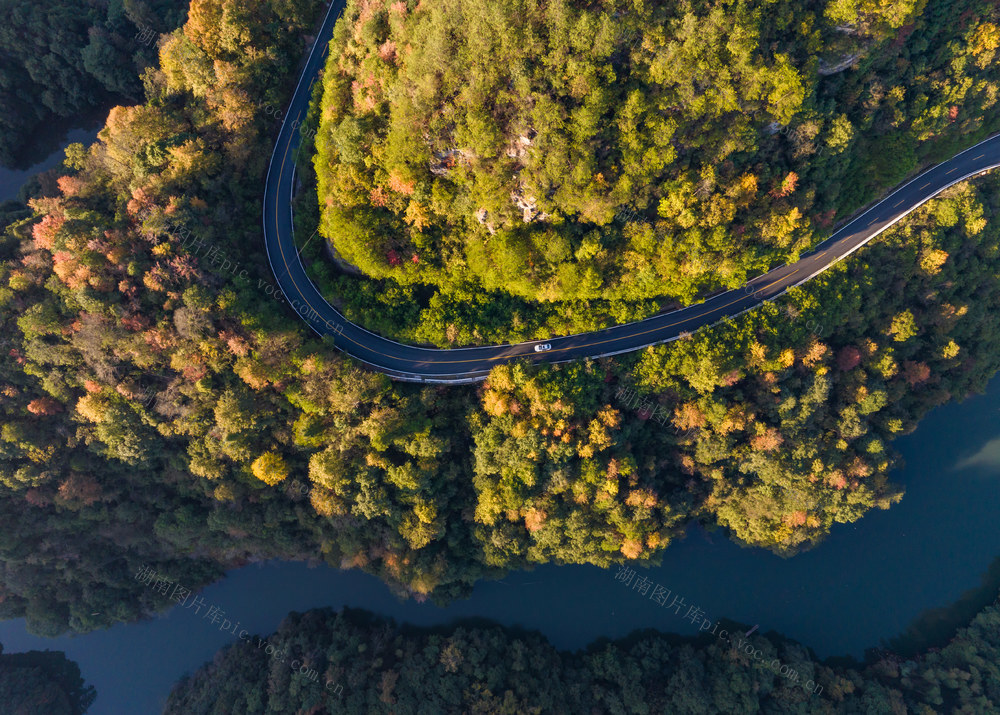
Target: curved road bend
(406, 362)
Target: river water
(865, 585)
(11, 180)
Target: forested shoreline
(42, 682)
(158, 408)
(67, 59)
(380, 666)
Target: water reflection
(936, 626)
(11, 180)
(986, 458)
(868, 583)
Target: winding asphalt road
(407, 362)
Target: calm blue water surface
(865, 584)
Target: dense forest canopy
(159, 408)
(381, 667)
(63, 59)
(509, 171)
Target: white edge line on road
(466, 378)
